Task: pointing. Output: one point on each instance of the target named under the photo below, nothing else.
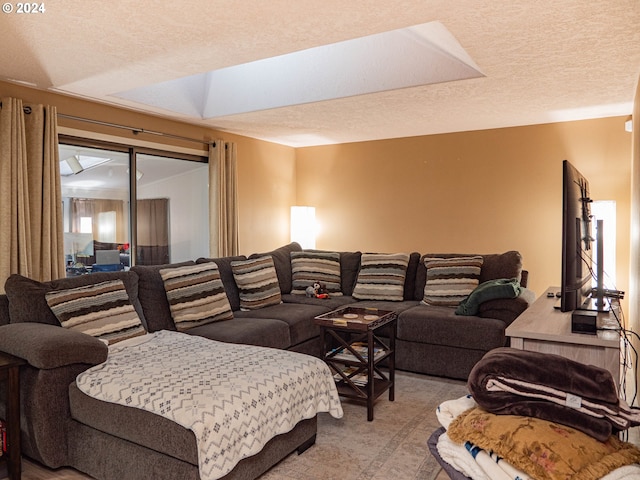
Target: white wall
(188, 212)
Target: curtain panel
(153, 231)
(93, 207)
(223, 199)
(31, 202)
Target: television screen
(576, 239)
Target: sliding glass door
(172, 210)
(157, 215)
(95, 193)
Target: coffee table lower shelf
(380, 386)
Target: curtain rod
(135, 130)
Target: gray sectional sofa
(61, 426)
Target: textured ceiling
(407, 57)
(542, 61)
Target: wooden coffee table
(355, 352)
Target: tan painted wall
(484, 191)
(266, 185)
(472, 192)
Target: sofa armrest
(56, 356)
(507, 309)
(49, 346)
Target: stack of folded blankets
(536, 416)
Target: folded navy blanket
(516, 382)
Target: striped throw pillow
(381, 276)
(450, 280)
(102, 310)
(310, 266)
(196, 295)
(257, 282)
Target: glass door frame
(132, 151)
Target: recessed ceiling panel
(419, 55)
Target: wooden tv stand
(542, 328)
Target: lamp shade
(303, 226)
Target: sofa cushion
(441, 326)
(410, 278)
(311, 266)
(381, 276)
(264, 332)
(257, 282)
(450, 280)
(349, 268)
(102, 310)
(501, 265)
(389, 305)
(489, 290)
(330, 303)
(282, 262)
(299, 317)
(153, 297)
(27, 302)
(134, 425)
(196, 295)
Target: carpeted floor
(392, 446)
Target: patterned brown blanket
(541, 449)
(508, 381)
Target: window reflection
(95, 192)
(172, 210)
(171, 221)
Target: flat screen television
(577, 242)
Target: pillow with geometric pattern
(451, 280)
(196, 295)
(102, 310)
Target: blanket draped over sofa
(235, 398)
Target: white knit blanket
(235, 398)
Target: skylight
(419, 55)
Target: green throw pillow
(489, 290)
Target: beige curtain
(223, 199)
(93, 207)
(153, 221)
(31, 201)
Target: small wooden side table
(357, 368)
(10, 372)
